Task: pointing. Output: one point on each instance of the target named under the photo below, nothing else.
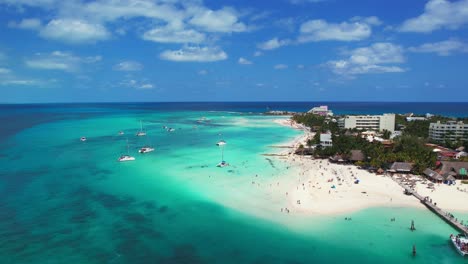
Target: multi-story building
(451, 131)
(321, 110)
(326, 139)
(368, 122)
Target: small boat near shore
(83, 139)
(460, 242)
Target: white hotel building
(451, 130)
(368, 122)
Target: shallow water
(69, 201)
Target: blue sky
(194, 50)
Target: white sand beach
(317, 187)
(304, 187)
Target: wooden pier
(444, 215)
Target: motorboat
(121, 133)
(221, 143)
(144, 150)
(124, 158)
(460, 242)
(83, 139)
(222, 164)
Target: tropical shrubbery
(407, 148)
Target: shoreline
(324, 188)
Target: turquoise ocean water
(67, 201)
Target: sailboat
(223, 163)
(141, 132)
(126, 157)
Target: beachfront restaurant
(401, 167)
(457, 169)
(433, 176)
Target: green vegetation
(407, 148)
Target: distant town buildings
(321, 111)
(451, 131)
(326, 139)
(368, 122)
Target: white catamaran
(141, 133)
(127, 156)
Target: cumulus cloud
(438, 14)
(244, 61)
(442, 48)
(128, 66)
(74, 31)
(174, 21)
(194, 54)
(144, 85)
(59, 60)
(280, 66)
(321, 30)
(170, 35)
(223, 20)
(27, 23)
(273, 43)
(373, 59)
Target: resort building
(415, 118)
(321, 111)
(451, 131)
(326, 140)
(368, 122)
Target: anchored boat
(460, 242)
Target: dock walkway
(444, 215)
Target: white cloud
(174, 21)
(74, 31)
(372, 20)
(5, 71)
(258, 53)
(128, 66)
(438, 14)
(320, 30)
(20, 82)
(223, 20)
(144, 85)
(194, 54)
(202, 72)
(300, 66)
(59, 60)
(372, 59)
(442, 48)
(280, 66)
(170, 35)
(27, 23)
(273, 43)
(244, 61)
